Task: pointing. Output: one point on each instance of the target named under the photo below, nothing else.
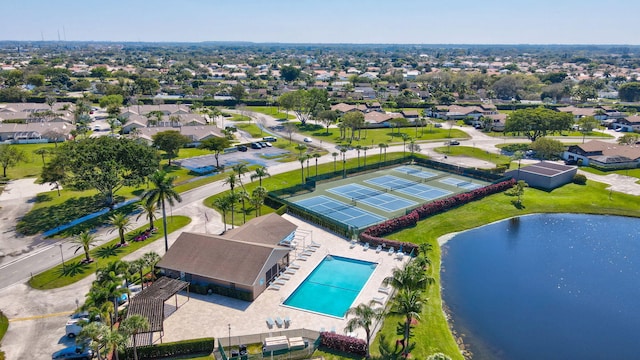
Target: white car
(268, 144)
(308, 139)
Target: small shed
(544, 175)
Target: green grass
(74, 270)
(253, 129)
(628, 172)
(289, 179)
(432, 330)
(272, 111)
(573, 133)
(4, 325)
(32, 166)
(373, 137)
(474, 153)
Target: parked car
(256, 146)
(74, 352)
(438, 125)
(452, 142)
(308, 140)
(268, 144)
(263, 144)
(74, 326)
(242, 148)
(269, 138)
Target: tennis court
(341, 212)
(377, 198)
(465, 184)
(408, 187)
(417, 171)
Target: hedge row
(174, 349)
(373, 235)
(343, 343)
(205, 289)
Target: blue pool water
(559, 286)
(332, 286)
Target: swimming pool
(332, 286)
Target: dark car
(256, 146)
(453, 142)
(74, 352)
(269, 138)
(242, 148)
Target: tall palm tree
(162, 192)
(257, 196)
(335, 157)
(224, 205)
(411, 277)
(148, 209)
(113, 340)
(384, 147)
(132, 326)
(407, 303)
(232, 198)
(151, 259)
(243, 196)
(364, 316)
(316, 156)
(85, 240)
(240, 169)
(94, 331)
(364, 157)
(301, 148)
(122, 223)
(358, 148)
(137, 266)
(302, 159)
(259, 173)
(231, 181)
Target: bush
(579, 179)
(512, 148)
(174, 349)
(343, 343)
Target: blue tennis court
(377, 198)
(408, 187)
(339, 211)
(415, 171)
(465, 184)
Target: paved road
(41, 314)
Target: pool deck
(211, 315)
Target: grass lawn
(573, 133)
(373, 137)
(4, 325)
(627, 172)
(32, 166)
(74, 270)
(285, 180)
(272, 111)
(253, 129)
(432, 332)
(474, 153)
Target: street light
(229, 337)
(62, 256)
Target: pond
(561, 286)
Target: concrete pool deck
(211, 315)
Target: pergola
(149, 303)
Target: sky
(326, 21)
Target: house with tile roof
(604, 155)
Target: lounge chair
(399, 255)
(384, 289)
(379, 299)
(378, 249)
(274, 286)
(353, 244)
(300, 257)
(307, 253)
(290, 271)
(333, 329)
(270, 323)
(315, 244)
(279, 282)
(284, 277)
(279, 321)
(310, 249)
(365, 247)
(391, 250)
(294, 266)
(287, 321)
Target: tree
(113, 340)
(151, 259)
(547, 149)
(53, 173)
(384, 147)
(148, 209)
(305, 103)
(112, 103)
(257, 198)
(301, 148)
(162, 192)
(327, 117)
(224, 205)
(302, 159)
(411, 277)
(10, 156)
(587, 124)
(315, 155)
(536, 123)
(215, 144)
(628, 139)
(438, 356)
(106, 164)
(42, 152)
(96, 332)
(170, 141)
(629, 92)
(122, 223)
(146, 85)
(240, 169)
(289, 73)
(243, 197)
(407, 303)
(238, 91)
(353, 120)
(290, 128)
(259, 173)
(518, 191)
(231, 181)
(335, 157)
(132, 326)
(84, 241)
(364, 316)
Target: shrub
(174, 349)
(343, 343)
(579, 179)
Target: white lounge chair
(315, 244)
(378, 249)
(399, 255)
(300, 257)
(384, 289)
(310, 249)
(279, 282)
(270, 322)
(391, 250)
(294, 266)
(287, 321)
(279, 321)
(365, 247)
(290, 271)
(379, 299)
(284, 277)
(274, 287)
(307, 253)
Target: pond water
(560, 286)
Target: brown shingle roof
(268, 229)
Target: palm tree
(407, 303)
(224, 205)
(94, 331)
(148, 209)
(114, 339)
(42, 152)
(384, 147)
(231, 181)
(343, 150)
(364, 316)
(240, 169)
(364, 148)
(405, 137)
(132, 326)
(243, 196)
(301, 148)
(259, 173)
(335, 157)
(411, 277)
(163, 192)
(358, 148)
(122, 223)
(84, 241)
(302, 159)
(257, 197)
(232, 198)
(137, 266)
(151, 259)
(316, 156)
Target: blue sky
(326, 21)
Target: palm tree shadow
(108, 251)
(517, 204)
(72, 269)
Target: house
(628, 124)
(579, 113)
(544, 175)
(380, 118)
(195, 133)
(604, 155)
(35, 132)
(345, 108)
(244, 260)
(410, 115)
(456, 112)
